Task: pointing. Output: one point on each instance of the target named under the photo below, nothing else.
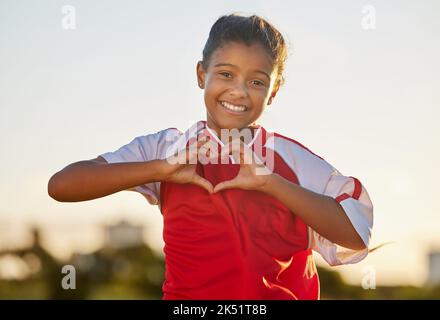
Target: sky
(364, 99)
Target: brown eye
(226, 74)
(258, 82)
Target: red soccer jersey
(235, 244)
(241, 244)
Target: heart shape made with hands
(252, 174)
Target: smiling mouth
(237, 109)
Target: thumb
(229, 184)
(202, 182)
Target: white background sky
(367, 101)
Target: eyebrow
(234, 66)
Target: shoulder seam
(171, 128)
(297, 143)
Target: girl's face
(238, 83)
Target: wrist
(165, 169)
(269, 183)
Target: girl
(243, 207)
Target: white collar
(214, 135)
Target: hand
(253, 174)
(181, 167)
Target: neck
(252, 129)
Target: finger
(192, 150)
(235, 144)
(188, 154)
(197, 138)
(208, 144)
(181, 155)
(229, 184)
(208, 152)
(205, 184)
(200, 139)
(229, 150)
(191, 153)
(239, 152)
(247, 155)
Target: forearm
(322, 213)
(87, 180)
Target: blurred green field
(137, 272)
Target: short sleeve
(354, 199)
(142, 148)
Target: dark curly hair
(247, 30)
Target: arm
(322, 213)
(337, 209)
(91, 179)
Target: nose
(238, 90)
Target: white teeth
(233, 107)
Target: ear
(200, 71)
(272, 96)
(275, 89)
